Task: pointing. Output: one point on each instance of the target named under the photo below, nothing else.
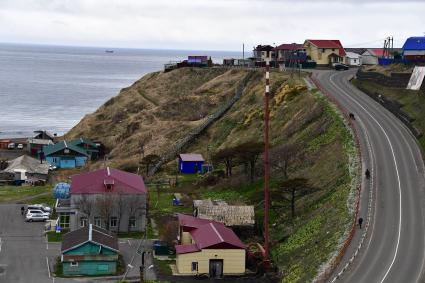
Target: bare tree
(120, 205)
(149, 160)
(248, 154)
(291, 190)
(133, 205)
(86, 205)
(283, 155)
(105, 205)
(226, 156)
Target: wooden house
(190, 163)
(89, 251)
(65, 155)
(208, 247)
(28, 169)
(91, 147)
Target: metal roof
(93, 234)
(191, 157)
(415, 43)
(94, 182)
(50, 149)
(328, 43)
(29, 164)
(290, 46)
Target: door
(216, 268)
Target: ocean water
(53, 87)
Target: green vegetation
(9, 194)
(130, 235)
(52, 236)
(164, 266)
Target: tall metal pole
(266, 165)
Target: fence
(326, 274)
(177, 147)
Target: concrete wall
(127, 201)
(233, 261)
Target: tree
(86, 205)
(133, 205)
(149, 160)
(291, 190)
(120, 207)
(226, 156)
(283, 155)
(105, 205)
(248, 154)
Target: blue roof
(415, 43)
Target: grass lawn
(52, 236)
(164, 266)
(12, 194)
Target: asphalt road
(394, 250)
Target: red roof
(95, 182)
(290, 46)
(378, 52)
(207, 234)
(191, 157)
(324, 43)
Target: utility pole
(266, 165)
(243, 54)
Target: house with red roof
(108, 198)
(208, 247)
(325, 52)
(371, 55)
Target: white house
(353, 59)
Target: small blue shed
(190, 163)
(65, 155)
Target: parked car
(36, 215)
(340, 66)
(20, 146)
(41, 207)
(52, 167)
(11, 145)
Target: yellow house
(325, 52)
(208, 247)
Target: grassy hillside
(412, 101)
(160, 108)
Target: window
(355, 60)
(64, 220)
(113, 222)
(83, 221)
(323, 50)
(97, 221)
(132, 221)
(333, 49)
(194, 266)
(74, 264)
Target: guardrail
(177, 147)
(326, 274)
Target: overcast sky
(208, 24)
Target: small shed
(91, 251)
(26, 167)
(190, 163)
(353, 59)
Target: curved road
(394, 249)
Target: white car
(41, 207)
(36, 215)
(20, 146)
(11, 145)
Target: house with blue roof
(65, 155)
(414, 49)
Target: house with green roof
(65, 155)
(88, 145)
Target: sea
(52, 87)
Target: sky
(208, 24)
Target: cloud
(207, 24)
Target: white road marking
(48, 266)
(0, 244)
(396, 167)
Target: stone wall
(397, 80)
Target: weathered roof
(51, 149)
(290, 46)
(353, 55)
(328, 43)
(378, 52)
(79, 141)
(190, 221)
(191, 157)
(94, 182)
(414, 43)
(45, 133)
(220, 211)
(92, 234)
(356, 50)
(39, 141)
(29, 164)
(264, 48)
(209, 235)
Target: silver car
(36, 215)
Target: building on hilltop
(190, 163)
(325, 52)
